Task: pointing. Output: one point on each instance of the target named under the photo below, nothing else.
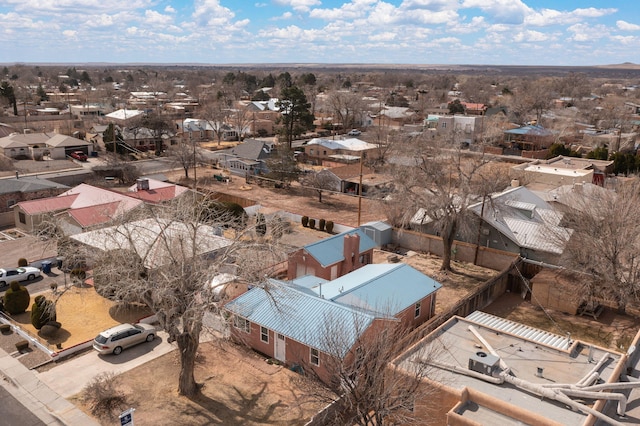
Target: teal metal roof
(383, 288)
(301, 316)
(331, 250)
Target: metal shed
(378, 231)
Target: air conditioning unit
(482, 362)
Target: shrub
(22, 345)
(321, 224)
(312, 223)
(78, 273)
(22, 262)
(16, 299)
(305, 221)
(43, 311)
(329, 226)
(102, 396)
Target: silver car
(22, 273)
(115, 339)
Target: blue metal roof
(331, 250)
(535, 129)
(303, 317)
(383, 288)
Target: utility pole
(360, 191)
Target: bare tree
(346, 107)
(368, 388)
(215, 112)
(319, 182)
(166, 257)
(186, 155)
(441, 182)
(603, 248)
(240, 117)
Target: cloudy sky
(525, 32)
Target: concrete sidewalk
(45, 403)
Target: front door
(280, 348)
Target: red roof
(94, 215)
(52, 204)
(155, 195)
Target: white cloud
(69, 33)
(584, 33)
(549, 17)
(500, 11)
(626, 40)
(156, 18)
(351, 10)
(211, 13)
(445, 40)
(626, 26)
(169, 9)
(387, 36)
(529, 36)
(284, 16)
(299, 5)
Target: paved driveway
(70, 377)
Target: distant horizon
(218, 32)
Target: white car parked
(23, 273)
(354, 132)
(115, 339)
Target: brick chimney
(351, 252)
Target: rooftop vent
(482, 362)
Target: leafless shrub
(102, 396)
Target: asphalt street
(13, 413)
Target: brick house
(332, 257)
(16, 190)
(296, 322)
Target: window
(264, 334)
(315, 357)
(417, 310)
(444, 125)
(242, 324)
(22, 217)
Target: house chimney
(351, 252)
(142, 184)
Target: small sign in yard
(126, 418)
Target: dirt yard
(240, 388)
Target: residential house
(78, 209)
(560, 170)
(486, 370)
(471, 108)
(17, 189)
(330, 151)
(531, 137)
(150, 239)
(292, 321)
(346, 179)
(247, 158)
(156, 192)
(332, 257)
(123, 117)
(56, 146)
(462, 129)
(518, 221)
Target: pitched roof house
(246, 158)
(342, 151)
(290, 321)
(519, 221)
(332, 257)
(78, 209)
